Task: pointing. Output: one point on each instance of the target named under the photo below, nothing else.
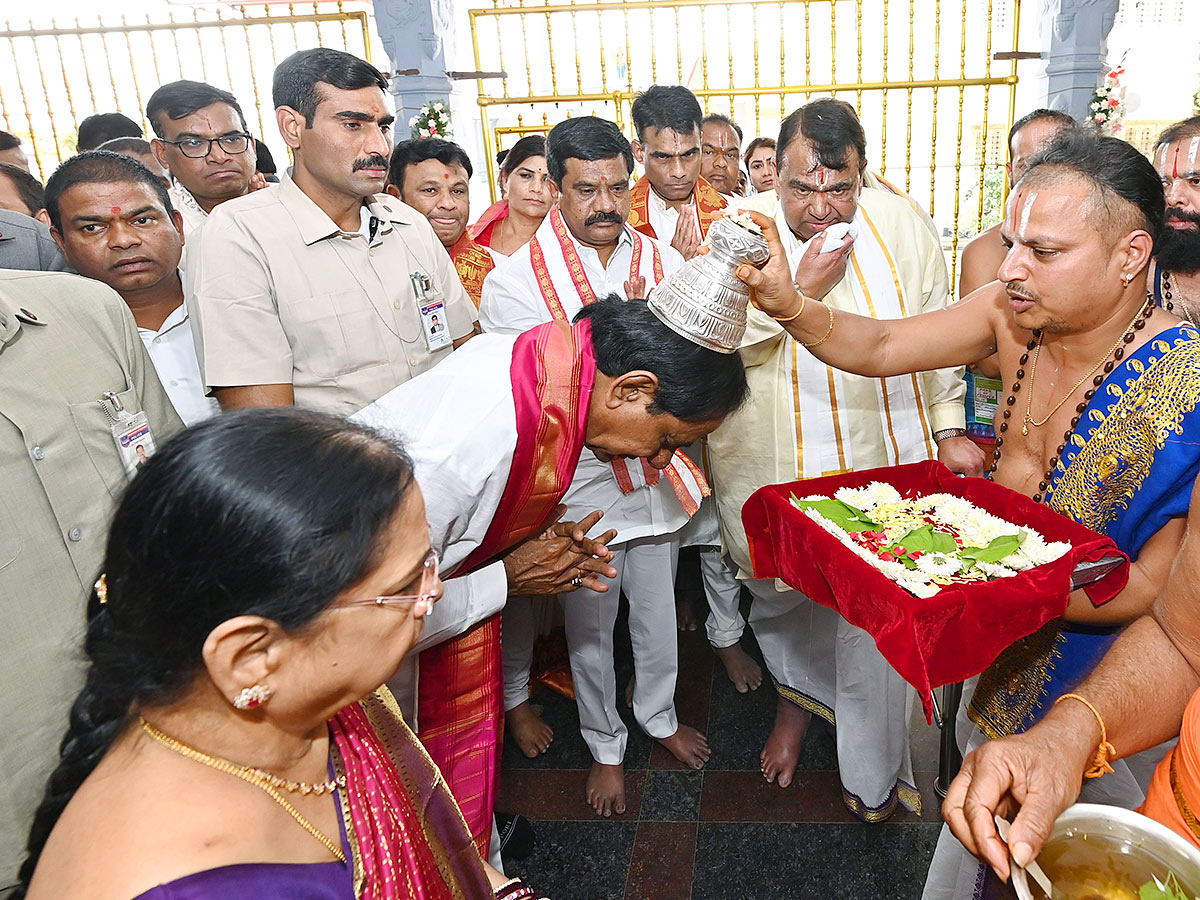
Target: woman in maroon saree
(265, 572)
(507, 225)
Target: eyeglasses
(199, 148)
(428, 589)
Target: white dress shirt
(458, 422)
(173, 353)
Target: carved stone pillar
(1074, 33)
(416, 34)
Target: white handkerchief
(836, 233)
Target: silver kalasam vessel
(703, 300)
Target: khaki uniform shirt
(64, 341)
(279, 294)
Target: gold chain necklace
(267, 782)
(1029, 419)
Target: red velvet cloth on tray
(959, 631)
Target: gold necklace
(264, 780)
(1125, 337)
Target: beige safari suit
(280, 294)
(64, 341)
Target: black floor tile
(578, 860)
(671, 796)
(812, 861)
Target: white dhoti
(805, 420)
(831, 668)
(646, 573)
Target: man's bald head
(1125, 190)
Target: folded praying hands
(561, 558)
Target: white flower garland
(432, 121)
(898, 517)
(1108, 103)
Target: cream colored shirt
(755, 446)
(64, 341)
(279, 294)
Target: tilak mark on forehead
(1026, 210)
(1175, 164)
(116, 210)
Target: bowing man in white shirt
(114, 222)
(619, 383)
(582, 251)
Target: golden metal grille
(53, 77)
(920, 73)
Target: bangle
(829, 309)
(1105, 751)
(945, 433)
(797, 313)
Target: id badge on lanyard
(432, 306)
(131, 433)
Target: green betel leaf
(995, 551)
(927, 539)
(842, 514)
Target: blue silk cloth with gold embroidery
(1128, 467)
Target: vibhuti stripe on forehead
(1193, 146)
(1162, 159)
(1026, 210)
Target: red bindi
(116, 210)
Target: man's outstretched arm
(955, 336)
(1140, 690)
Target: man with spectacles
(203, 142)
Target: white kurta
(645, 561)
(804, 421)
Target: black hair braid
(98, 716)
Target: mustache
(1016, 290)
(1183, 215)
(375, 161)
(603, 217)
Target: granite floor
(718, 833)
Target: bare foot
(687, 616)
(629, 688)
(742, 670)
(782, 751)
(688, 746)
(532, 735)
(606, 789)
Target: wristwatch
(945, 433)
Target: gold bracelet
(827, 333)
(797, 313)
(1106, 751)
